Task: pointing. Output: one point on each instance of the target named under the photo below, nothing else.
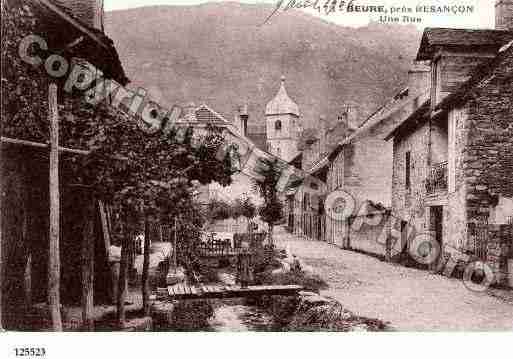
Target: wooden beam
(72, 21)
(15, 141)
(1, 229)
(87, 260)
(146, 267)
(105, 226)
(54, 265)
(182, 291)
(123, 276)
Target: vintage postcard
(255, 166)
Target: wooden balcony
(436, 180)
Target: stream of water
(238, 317)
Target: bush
(192, 315)
(331, 317)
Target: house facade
(360, 170)
(305, 204)
(452, 164)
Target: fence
(214, 248)
(310, 225)
(238, 225)
(480, 238)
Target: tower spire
(282, 103)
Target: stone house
(353, 157)
(452, 163)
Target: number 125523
(29, 352)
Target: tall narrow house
(453, 162)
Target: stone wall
(499, 250)
(488, 160)
(368, 234)
(370, 175)
(408, 204)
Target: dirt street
(409, 299)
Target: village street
(409, 299)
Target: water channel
(236, 316)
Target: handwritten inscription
(382, 13)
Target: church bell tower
(282, 123)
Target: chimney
(504, 15)
(322, 135)
(349, 116)
(419, 77)
(344, 116)
(243, 118)
(89, 12)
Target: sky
(481, 17)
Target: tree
(136, 173)
(272, 209)
(244, 207)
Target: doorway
(436, 225)
(436, 218)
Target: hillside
(220, 54)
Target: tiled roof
(418, 116)
(480, 74)
(434, 37)
(201, 115)
(205, 114)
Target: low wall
(367, 234)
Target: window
(306, 201)
(277, 125)
(408, 166)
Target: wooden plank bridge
(201, 291)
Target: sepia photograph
(277, 166)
